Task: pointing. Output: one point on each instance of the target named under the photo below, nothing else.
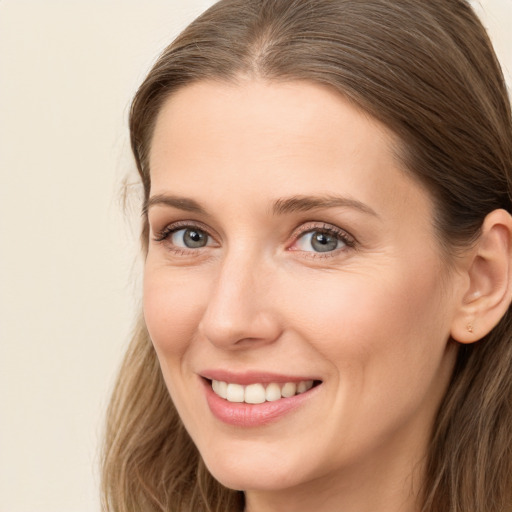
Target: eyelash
(167, 231)
(165, 234)
(327, 229)
(310, 227)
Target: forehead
(300, 106)
(259, 139)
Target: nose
(240, 311)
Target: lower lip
(253, 415)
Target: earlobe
(489, 271)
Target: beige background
(69, 275)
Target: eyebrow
(280, 206)
(181, 203)
(307, 203)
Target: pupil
(194, 239)
(323, 242)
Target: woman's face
(288, 249)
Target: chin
(242, 472)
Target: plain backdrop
(69, 267)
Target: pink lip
(254, 415)
(251, 377)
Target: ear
(488, 291)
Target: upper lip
(252, 377)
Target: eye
(184, 236)
(190, 238)
(323, 239)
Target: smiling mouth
(259, 393)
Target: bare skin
(347, 287)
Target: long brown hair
(427, 70)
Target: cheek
(173, 306)
(375, 323)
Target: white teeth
(254, 394)
(258, 393)
(235, 393)
(304, 386)
(223, 389)
(273, 392)
(289, 389)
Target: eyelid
(312, 226)
(321, 226)
(164, 234)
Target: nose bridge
(235, 279)
(238, 308)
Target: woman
(327, 266)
